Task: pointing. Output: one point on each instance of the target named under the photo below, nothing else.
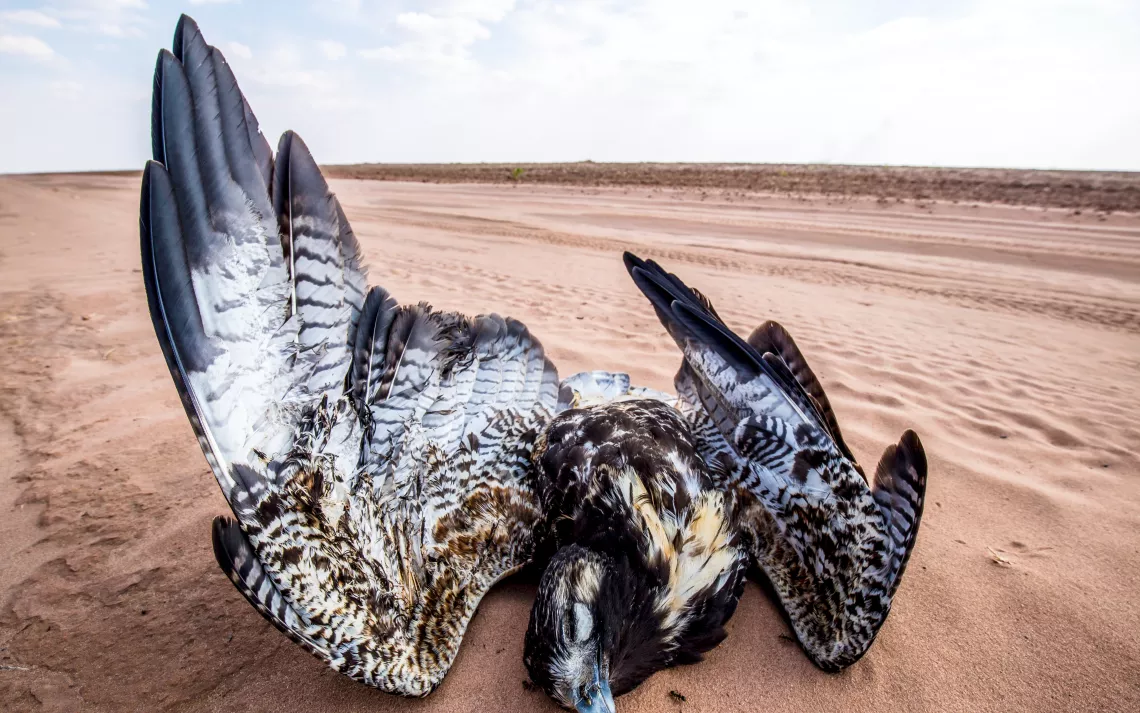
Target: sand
(1009, 338)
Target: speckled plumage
(832, 545)
(625, 494)
(376, 456)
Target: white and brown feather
(622, 482)
(376, 456)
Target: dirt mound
(1081, 190)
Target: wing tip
(680, 307)
(285, 144)
(765, 337)
(296, 173)
(222, 537)
(184, 30)
(900, 482)
(230, 549)
(911, 446)
(150, 176)
(906, 460)
(631, 261)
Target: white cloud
(65, 89)
(1001, 83)
(332, 50)
(213, 2)
(113, 18)
(441, 41)
(388, 53)
(344, 8)
(29, 17)
(237, 49)
(111, 29)
(488, 10)
(26, 46)
(285, 70)
(73, 124)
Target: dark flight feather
(900, 491)
(772, 337)
(239, 562)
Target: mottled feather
(832, 546)
(622, 486)
(376, 456)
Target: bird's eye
(583, 622)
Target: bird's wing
(376, 456)
(833, 546)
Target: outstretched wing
(833, 547)
(221, 295)
(376, 456)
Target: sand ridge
(1098, 191)
(1009, 338)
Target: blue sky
(1017, 83)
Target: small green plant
(517, 174)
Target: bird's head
(594, 630)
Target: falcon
(387, 463)
(832, 544)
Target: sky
(1005, 83)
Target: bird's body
(377, 456)
(622, 487)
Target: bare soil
(1007, 337)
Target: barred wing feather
(833, 546)
(375, 455)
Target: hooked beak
(595, 697)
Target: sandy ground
(1008, 338)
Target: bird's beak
(596, 696)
